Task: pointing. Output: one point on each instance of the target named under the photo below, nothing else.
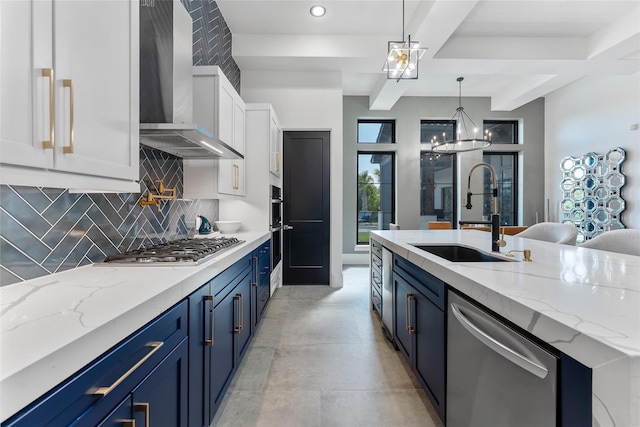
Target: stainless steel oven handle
(276, 200)
(509, 354)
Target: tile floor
(319, 359)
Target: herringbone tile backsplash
(45, 230)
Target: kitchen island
(52, 326)
(583, 302)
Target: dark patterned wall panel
(212, 39)
(45, 230)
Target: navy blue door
(402, 291)
(222, 351)
(430, 350)
(242, 293)
(162, 395)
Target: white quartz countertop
(52, 326)
(584, 302)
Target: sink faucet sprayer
(496, 242)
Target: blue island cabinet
(142, 378)
(219, 335)
(420, 327)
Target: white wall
(594, 115)
(308, 101)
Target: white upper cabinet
(275, 146)
(69, 94)
(218, 108)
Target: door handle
(68, 149)
(287, 227)
(48, 72)
(237, 327)
(208, 341)
(495, 345)
(143, 407)
(103, 391)
(411, 329)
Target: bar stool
(554, 232)
(393, 226)
(439, 225)
(623, 241)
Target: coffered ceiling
(513, 51)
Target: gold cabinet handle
(68, 149)
(255, 267)
(410, 298)
(103, 391)
(143, 407)
(128, 423)
(277, 161)
(406, 311)
(237, 327)
(48, 72)
(241, 313)
(208, 341)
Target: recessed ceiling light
(317, 11)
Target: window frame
(393, 155)
(392, 122)
(514, 123)
(515, 186)
(454, 184)
(445, 122)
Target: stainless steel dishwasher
(495, 376)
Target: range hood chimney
(166, 85)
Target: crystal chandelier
(462, 140)
(403, 57)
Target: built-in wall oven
(276, 225)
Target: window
(502, 131)
(438, 195)
(430, 129)
(438, 184)
(506, 166)
(376, 193)
(376, 131)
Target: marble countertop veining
(584, 302)
(54, 325)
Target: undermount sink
(456, 253)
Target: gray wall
(408, 112)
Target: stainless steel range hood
(166, 85)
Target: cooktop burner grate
(176, 252)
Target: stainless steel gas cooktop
(187, 252)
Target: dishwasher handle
(506, 352)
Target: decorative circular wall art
(591, 187)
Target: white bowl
(227, 227)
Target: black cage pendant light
(403, 57)
(465, 138)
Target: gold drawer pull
(68, 149)
(128, 423)
(48, 72)
(143, 407)
(103, 391)
(209, 341)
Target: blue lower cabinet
(88, 397)
(160, 399)
(261, 291)
(420, 328)
(220, 331)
